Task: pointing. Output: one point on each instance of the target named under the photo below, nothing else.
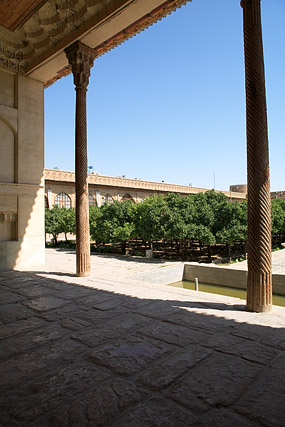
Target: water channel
(224, 290)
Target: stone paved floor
(110, 351)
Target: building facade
(60, 189)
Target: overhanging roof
(34, 33)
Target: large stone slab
(75, 292)
(30, 340)
(131, 355)
(12, 312)
(116, 304)
(36, 397)
(279, 362)
(15, 328)
(67, 311)
(218, 381)
(223, 417)
(241, 347)
(264, 401)
(92, 316)
(90, 300)
(74, 324)
(173, 334)
(275, 338)
(45, 303)
(99, 406)
(59, 285)
(168, 371)
(157, 412)
(19, 282)
(27, 366)
(35, 291)
(10, 298)
(250, 332)
(107, 329)
(157, 310)
(202, 321)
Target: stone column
(81, 59)
(259, 281)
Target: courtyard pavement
(108, 350)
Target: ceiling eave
(104, 35)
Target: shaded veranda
(104, 351)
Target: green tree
(67, 221)
(233, 222)
(53, 222)
(278, 219)
(112, 223)
(95, 214)
(203, 213)
(178, 220)
(204, 220)
(148, 219)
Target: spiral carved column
(81, 59)
(259, 281)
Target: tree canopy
(205, 217)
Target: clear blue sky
(169, 104)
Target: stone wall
(21, 171)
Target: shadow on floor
(78, 356)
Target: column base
(259, 292)
(83, 265)
(259, 308)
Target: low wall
(206, 274)
(227, 277)
(215, 275)
(162, 275)
(278, 284)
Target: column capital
(81, 58)
(251, 12)
(247, 3)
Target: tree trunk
(186, 248)
(181, 248)
(209, 253)
(245, 249)
(124, 246)
(229, 251)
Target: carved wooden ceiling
(34, 33)
(14, 13)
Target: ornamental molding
(12, 58)
(50, 29)
(8, 217)
(80, 58)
